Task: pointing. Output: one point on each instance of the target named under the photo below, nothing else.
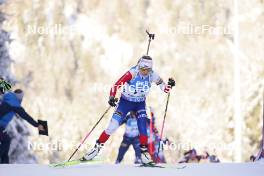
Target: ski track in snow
(242, 169)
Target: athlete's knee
(112, 127)
(118, 116)
(141, 114)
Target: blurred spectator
(11, 105)
(213, 159)
(259, 157)
(131, 137)
(191, 156)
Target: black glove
(171, 82)
(45, 126)
(112, 101)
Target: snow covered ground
(243, 169)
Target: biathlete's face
(144, 71)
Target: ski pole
(164, 118)
(88, 134)
(151, 37)
(171, 83)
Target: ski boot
(93, 153)
(138, 161)
(117, 162)
(145, 156)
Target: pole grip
(151, 37)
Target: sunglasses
(145, 69)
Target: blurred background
(65, 55)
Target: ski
(66, 163)
(151, 165)
(73, 163)
(181, 167)
(163, 166)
